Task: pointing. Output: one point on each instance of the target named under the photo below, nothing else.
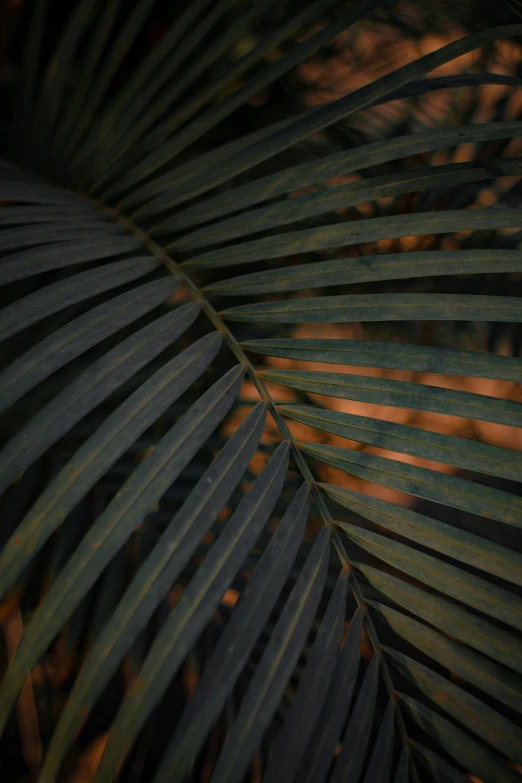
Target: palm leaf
(162, 566)
(299, 724)
(356, 736)
(401, 394)
(143, 495)
(91, 388)
(346, 162)
(88, 329)
(368, 353)
(116, 524)
(319, 754)
(446, 539)
(431, 484)
(467, 709)
(105, 446)
(450, 618)
(411, 440)
(341, 197)
(476, 592)
(45, 258)
(460, 745)
(473, 668)
(278, 661)
(368, 268)
(439, 769)
(237, 642)
(198, 602)
(381, 307)
(304, 127)
(379, 766)
(58, 296)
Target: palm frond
(164, 512)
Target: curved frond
(258, 519)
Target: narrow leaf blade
(238, 639)
(45, 258)
(456, 658)
(88, 390)
(194, 609)
(321, 749)
(355, 232)
(475, 715)
(99, 452)
(448, 449)
(78, 336)
(400, 394)
(379, 768)
(492, 640)
(367, 353)
(422, 482)
(475, 592)
(153, 581)
(351, 308)
(275, 667)
(345, 161)
(472, 755)
(389, 266)
(357, 734)
(301, 718)
(447, 539)
(57, 296)
(114, 526)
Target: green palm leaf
(116, 524)
(46, 258)
(362, 270)
(58, 296)
(87, 330)
(162, 566)
(476, 592)
(439, 769)
(162, 533)
(450, 541)
(346, 162)
(341, 197)
(278, 661)
(456, 492)
(198, 602)
(92, 387)
(102, 449)
(472, 667)
(379, 766)
(460, 745)
(411, 440)
(467, 709)
(382, 307)
(319, 753)
(356, 736)
(401, 394)
(240, 636)
(304, 127)
(491, 639)
(300, 720)
(377, 354)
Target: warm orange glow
(230, 598)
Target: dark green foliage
(190, 574)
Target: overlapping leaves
(84, 285)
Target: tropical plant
(136, 512)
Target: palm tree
(206, 594)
